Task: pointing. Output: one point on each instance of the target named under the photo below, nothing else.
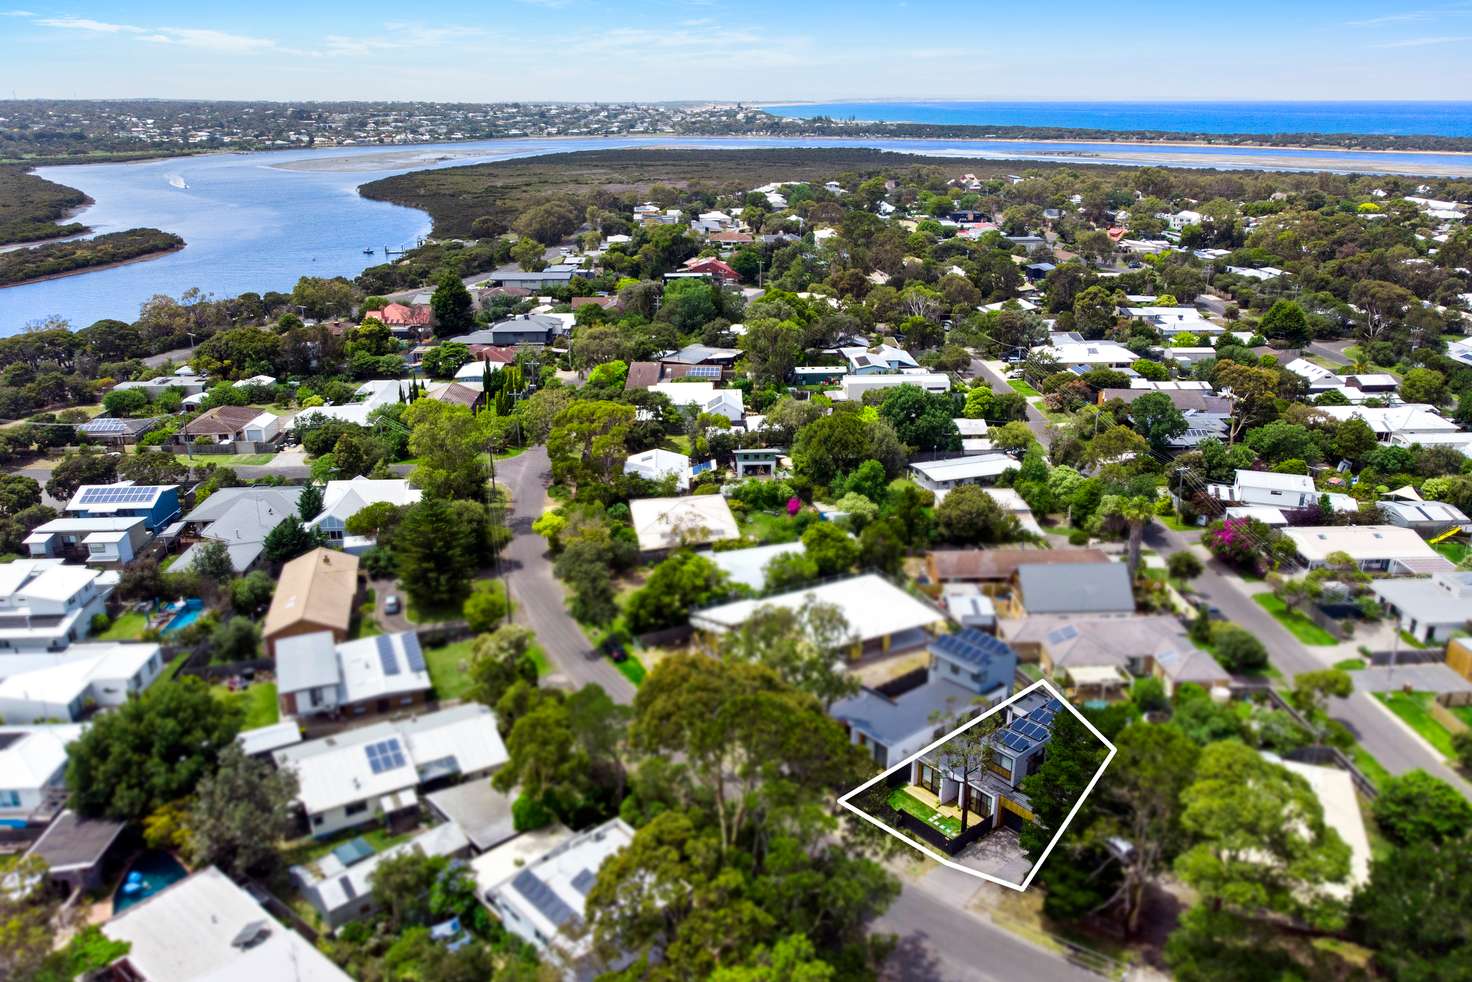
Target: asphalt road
(940, 942)
(539, 598)
(1332, 350)
(1036, 421)
(1380, 733)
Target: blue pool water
(155, 870)
(193, 608)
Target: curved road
(540, 600)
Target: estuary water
(258, 221)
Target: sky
(757, 50)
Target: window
(356, 808)
(9, 799)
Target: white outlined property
(1009, 738)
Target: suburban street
(1384, 736)
(941, 941)
(1036, 421)
(536, 591)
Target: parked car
(614, 649)
(391, 604)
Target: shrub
(100, 622)
(528, 814)
(1238, 649)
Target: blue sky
(495, 50)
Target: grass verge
(1295, 623)
(257, 699)
(1411, 708)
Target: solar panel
(386, 654)
(584, 881)
(118, 494)
(412, 652)
(385, 755)
(540, 896)
(1014, 741)
(704, 371)
(347, 887)
(103, 424)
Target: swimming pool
(151, 872)
(183, 617)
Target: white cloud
(88, 25)
(197, 37)
(1426, 41)
(18, 13)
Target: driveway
(390, 623)
(1387, 739)
(1036, 421)
(1428, 677)
(999, 854)
(540, 599)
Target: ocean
(1386, 118)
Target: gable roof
(316, 588)
(221, 419)
(1000, 564)
(1078, 588)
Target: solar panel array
(386, 654)
(412, 652)
(103, 425)
(971, 645)
(385, 755)
(540, 896)
(125, 494)
(1015, 742)
(584, 881)
(1065, 633)
(704, 371)
(1031, 729)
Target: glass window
(9, 799)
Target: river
(258, 221)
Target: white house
(885, 358)
(1374, 548)
(1171, 321)
(1431, 610)
(341, 500)
(1071, 352)
(32, 772)
(265, 428)
(351, 778)
(87, 675)
(112, 540)
(668, 523)
(370, 395)
(541, 899)
(973, 434)
(315, 677)
(204, 928)
(749, 566)
(1407, 422)
(1273, 490)
(943, 475)
(344, 892)
(853, 387)
(705, 397)
(656, 465)
(46, 606)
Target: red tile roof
(402, 315)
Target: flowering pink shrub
(793, 506)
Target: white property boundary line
(1027, 881)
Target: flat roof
(480, 811)
(872, 606)
(72, 842)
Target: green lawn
(768, 529)
(445, 672)
(1453, 550)
(1369, 766)
(128, 627)
(902, 800)
(1299, 626)
(258, 700)
(1412, 640)
(1022, 388)
(1175, 524)
(226, 459)
(1411, 707)
(1350, 664)
(631, 668)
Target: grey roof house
(1072, 588)
(241, 518)
(967, 669)
(523, 329)
(1430, 609)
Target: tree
(1413, 912)
(1259, 841)
(150, 751)
(970, 516)
(804, 646)
(250, 594)
(1285, 322)
(922, 420)
(680, 582)
(240, 812)
(450, 444)
(564, 753)
(445, 359)
(1237, 648)
(832, 550)
(289, 540)
(1313, 690)
(498, 661)
(1424, 385)
(841, 441)
(309, 504)
(436, 561)
(1153, 766)
(27, 908)
(454, 310)
(588, 440)
(969, 753)
(1136, 513)
(212, 561)
(237, 639)
(485, 607)
(1184, 565)
(1417, 808)
(75, 470)
(1073, 757)
(1157, 419)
